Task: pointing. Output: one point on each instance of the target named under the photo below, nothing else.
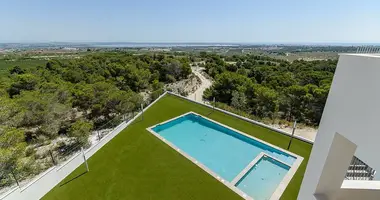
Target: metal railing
(368, 50)
(358, 170)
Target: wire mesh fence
(7, 181)
(61, 149)
(56, 153)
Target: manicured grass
(137, 165)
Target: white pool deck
(281, 187)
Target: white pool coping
(247, 168)
(281, 187)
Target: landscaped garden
(137, 165)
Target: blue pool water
(263, 178)
(221, 149)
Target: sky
(232, 21)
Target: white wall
(352, 109)
(354, 190)
(335, 167)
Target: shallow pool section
(222, 150)
(231, 156)
(263, 178)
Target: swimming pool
(231, 156)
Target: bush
(81, 130)
(170, 78)
(155, 94)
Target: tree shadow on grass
(71, 179)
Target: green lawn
(137, 165)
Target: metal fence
(55, 154)
(368, 50)
(358, 170)
(61, 149)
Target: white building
(350, 126)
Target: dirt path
(305, 132)
(206, 83)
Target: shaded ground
(137, 165)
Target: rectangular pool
(226, 152)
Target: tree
(80, 130)
(16, 70)
(42, 112)
(232, 67)
(109, 100)
(266, 102)
(226, 83)
(238, 100)
(9, 110)
(83, 95)
(12, 147)
(295, 102)
(139, 79)
(23, 82)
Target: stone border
(286, 180)
(276, 194)
(247, 168)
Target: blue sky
(256, 21)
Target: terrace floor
(137, 165)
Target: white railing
(368, 50)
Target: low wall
(46, 181)
(353, 190)
(246, 119)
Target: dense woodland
(71, 97)
(271, 88)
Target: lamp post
(294, 129)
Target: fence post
(85, 160)
(98, 134)
(214, 103)
(294, 129)
(14, 176)
(52, 157)
(142, 112)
